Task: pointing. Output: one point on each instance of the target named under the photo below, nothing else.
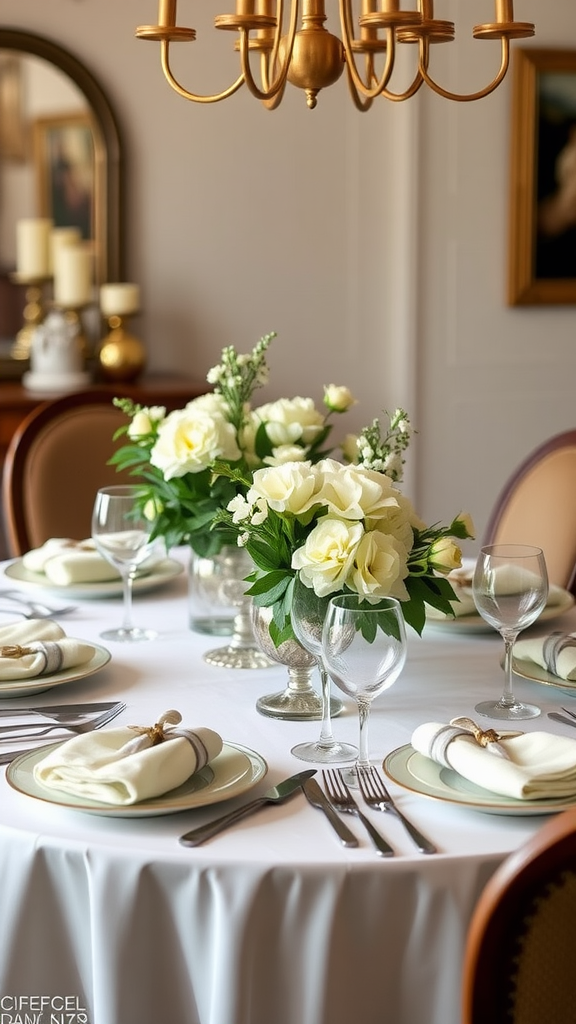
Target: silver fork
(343, 800)
(59, 712)
(571, 713)
(377, 796)
(37, 611)
(80, 726)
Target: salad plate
(24, 687)
(528, 669)
(422, 775)
(234, 771)
(157, 576)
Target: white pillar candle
(33, 247)
(73, 276)
(60, 237)
(119, 299)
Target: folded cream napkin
(526, 766)
(65, 562)
(555, 653)
(38, 647)
(461, 580)
(132, 763)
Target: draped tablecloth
(273, 922)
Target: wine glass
(364, 650)
(510, 588)
(121, 534)
(307, 613)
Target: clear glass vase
(232, 566)
(209, 611)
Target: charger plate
(562, 602)
(235, 770)
(530, 670)
(23, 687)
(420, 774)
(162, 572)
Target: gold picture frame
(542, 242)
(65, 160)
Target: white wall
(374, 244)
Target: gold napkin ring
(15, 651)
(482, 736)
(156, 733)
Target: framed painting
(65, 162)
(542, 242)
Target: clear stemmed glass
(122, 535)
(307, 613)
(364, 650)
(510, 588)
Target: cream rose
(290, 420)
(355, 493)
(380, 566)
(445, 556)
(338, 398)
(190, 439)
(290, 487)
(144, 421)
(327, 557)
(285, 453)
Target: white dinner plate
(530, 670)
(24, 687)
(163, 571)
(235, 770)
(422, 775)
(474, 623)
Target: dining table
(109, 919)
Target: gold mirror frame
(528, 285)
(108, 164)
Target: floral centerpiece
(220, 471)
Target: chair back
(520, 953)
(538, 506)
(55, 463)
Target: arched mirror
(60, 152)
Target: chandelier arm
(398, 97)
(165, 44)
(347, 39)
(423, 70)
(277, 86)
(362, 103)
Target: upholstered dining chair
(55, 463)
(519, 960)
(538, 506)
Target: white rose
(144, 421)
(290, 487)
(285, 453)
(380, 566)
(355, 493)
(338, 398)
(213, 405)
(189, 440)
(445, 555)
(290, 420)
(326, 559)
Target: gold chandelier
(311, 58)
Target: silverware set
(571, 720)
(59, 718)
(19, 605)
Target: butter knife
(318, 799)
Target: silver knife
(275, 795)
(319, 799)
(561, 718)
(56, 709)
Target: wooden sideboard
(16, 403)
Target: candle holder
(34, 313)
(121, 356)
(58, 354)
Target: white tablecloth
(273, 922)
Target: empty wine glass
(510, 588)
(364, 650)
(307, 613)
(122, 535)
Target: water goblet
(307, 614)
(121, 534)
(510, 587)
(364, 650)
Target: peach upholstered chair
(520, 955)
(538, 506)
(55, 463)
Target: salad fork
(79, 726)
(377, 796)
(343, 800)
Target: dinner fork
(571, 713)
(377, 796)
(343, 800)
(79, 726)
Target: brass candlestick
(34, 313)
(121, 356)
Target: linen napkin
(461, 580)
(65, 562)
(526, 766)
(38, 647)
(125, 765)
(556, 653)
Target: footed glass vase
(243, 651)
(299, 701)
(209, 611)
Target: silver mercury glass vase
(299, 701)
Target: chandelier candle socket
(311, 58)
